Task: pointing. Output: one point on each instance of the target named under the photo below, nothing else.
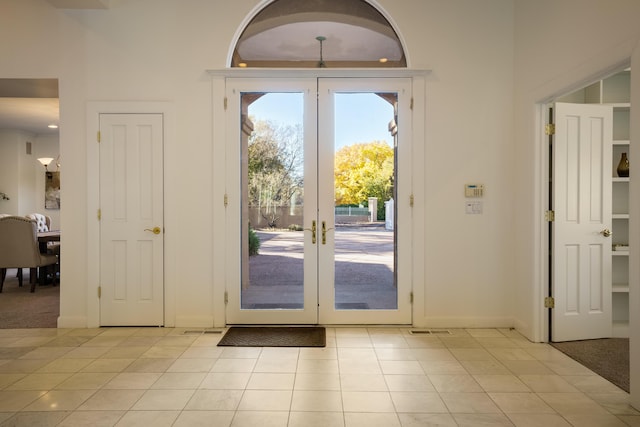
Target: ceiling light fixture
(53, 126)
(383, 60)
(321, 64)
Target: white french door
(301, 250)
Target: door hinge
(225, 103)
(549, 216)
(226, 200)
(99, 292)
(411, 297)
(550, 129)
(411, 200)
(411, 104)
(99, 137)
(226, 298)
(549, 302)
(99, 214)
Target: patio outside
(364, 272)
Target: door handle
(313, 231)
(324, 232)
(154, 230)
(606, 232)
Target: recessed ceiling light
(383, 60)
(53, 126)
(242, 65)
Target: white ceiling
(29, 104)
(29, 114)
(297, 42)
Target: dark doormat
(607, 357)
(267, 336)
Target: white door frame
(220, 158)
(94, 109)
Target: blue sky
(360, 117)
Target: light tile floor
(373, 377)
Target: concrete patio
(364, 276)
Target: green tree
(364, 170)
(274, 168)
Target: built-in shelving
(615, 91)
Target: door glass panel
(365, 160)
(272, 201)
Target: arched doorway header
(284, 34)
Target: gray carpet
(19, 308)
(608, 357)
(265, 336)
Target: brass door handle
(313, 231)
(606, 232)
(154, 230)
(324, 232)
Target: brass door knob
(154, 230)
(606, 232)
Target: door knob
(154, 230)
(606, 232)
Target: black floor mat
(268, 336)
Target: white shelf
(616, 93)
(622, 288)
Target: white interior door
(131, 224)
(581, 284)
(310, 267)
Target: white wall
(9, 167)
(17, 172)
(468, 259)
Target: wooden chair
(19, 248)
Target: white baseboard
(68, 322)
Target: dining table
(44, 237)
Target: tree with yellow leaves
(364, 170)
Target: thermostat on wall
(473, 190)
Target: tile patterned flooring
(373, 377)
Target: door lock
(154, 230)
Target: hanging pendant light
(321, 64)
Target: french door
(317, 170)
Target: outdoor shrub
(254, 242)
(295, 227)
